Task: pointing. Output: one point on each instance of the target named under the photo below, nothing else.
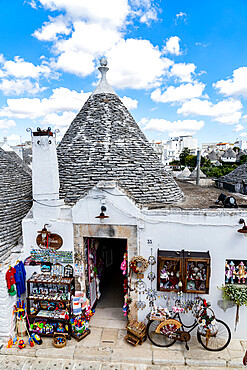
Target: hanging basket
(59, 340)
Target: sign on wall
(48, 240)
(236, 272)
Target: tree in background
(185, 152)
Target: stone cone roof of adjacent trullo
(184, 174)
(15, 190)
(105, 143)
(236, 176)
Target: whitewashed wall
(198, 230)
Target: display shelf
(49, 299)
(42, 281)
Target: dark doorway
(107, 255)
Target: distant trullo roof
(229, 153)
(212, 156)
(184, 174)
(105, 143)
(15, 190)
(193, 174)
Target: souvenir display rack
(48, 299)
(183, 270)
(136, 332)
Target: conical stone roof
(184, 174)
(238, 175)
(15, 190)
(105, 143)
(193, 174)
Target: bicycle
(163, 330)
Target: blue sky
(179, 66)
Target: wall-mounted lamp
(102, 214)
(244, 228)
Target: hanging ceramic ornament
(151, 260)
(140, 305)
(151, 294)
(140, 286)
(151, 276)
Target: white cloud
(172, 46)
(77, 62)
(107, 11)
(175, 127)
(14, 137)
(183, 71)
(178, 94)
(238, 128)
(21, 69)
(7, 123)
(136, 64)
(181, 15)
(243, 134)
(50, 30)
(61, 100)
(129, 103)
(149, 15)
(235, 86)
(58, 121)
(18, 87)
(226, 111)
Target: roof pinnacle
(103, 86)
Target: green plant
(236, 294)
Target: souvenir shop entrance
(106, 282)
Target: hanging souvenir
(57, 269)
(138, 264)
(68, 271)
(140, 286)
(151, 260)
(140, 305)
(151, 294)
(151, 276)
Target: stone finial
(103, 86)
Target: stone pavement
(97, 351)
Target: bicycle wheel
(158, 339)
(219, 340)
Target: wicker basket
(56, 342)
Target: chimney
(45, 175)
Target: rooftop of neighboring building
(202, 197)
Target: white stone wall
(195, 230)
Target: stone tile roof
(184, 174)
(21, 162)
(236, 176)
(15, 188)
(212, 156)
(229, 153)
(105, 143)
(193, 174)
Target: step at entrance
(109, 337)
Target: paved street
(98, 351)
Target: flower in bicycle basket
(213, 322)
(203, 322)
(169, 329)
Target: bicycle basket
(168, 327)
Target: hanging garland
(138, 264)
(236, 294)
